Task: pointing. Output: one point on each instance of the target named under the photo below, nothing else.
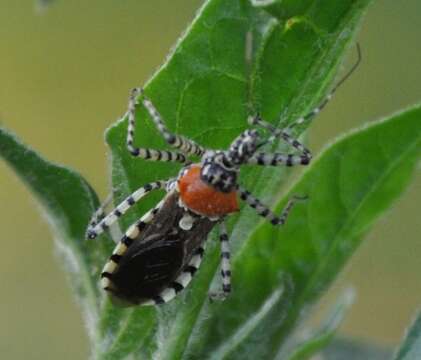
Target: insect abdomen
(153, 264)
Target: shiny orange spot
(203, 198)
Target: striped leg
(276, 159)
(94, 230)
(144, 153)
(283, 134)
(225, 265)
(225, 260)
(186, 146)
(126, 241)
(264, 211)
(99, 214)
(182, 280)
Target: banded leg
(182, 280)
(93, 231)
(276, 159)
(186, 146)
(264, 211)
(99, 214)
(145, 153)
(225, 265)
(284, 135)
(126, 241)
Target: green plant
(205, 90)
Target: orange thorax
(203, 198)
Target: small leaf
(410, 349)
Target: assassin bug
(159, 254)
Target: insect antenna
(276, 133)
(316, 110)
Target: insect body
(159, 254)
(158, 260)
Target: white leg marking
(120, 249)
(168, 294)
(184, 279)
(110, 267)
(132, 232)
(195, 261)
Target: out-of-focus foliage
(346, 349)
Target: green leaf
(235, 59)
(350, 184)
(348, 349)
(68, 202)
(410, 349)
(323, 336)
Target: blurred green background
(65, 76)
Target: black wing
(158, 254)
